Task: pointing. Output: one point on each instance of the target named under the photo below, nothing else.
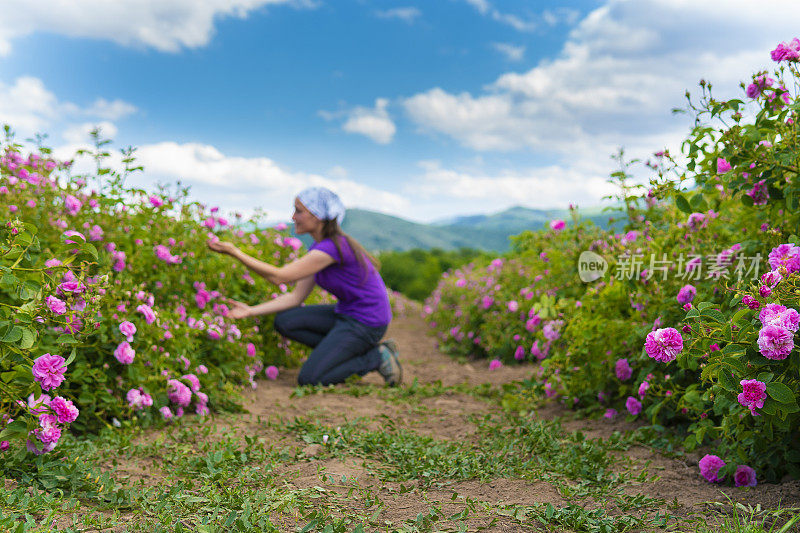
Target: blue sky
(419, 109)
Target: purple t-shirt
(361, 297)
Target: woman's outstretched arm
(305, 266)
(276, 305)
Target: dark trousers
(343, 346)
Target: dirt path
(449, 413)
(446, 417)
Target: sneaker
(390, 367)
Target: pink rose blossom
(149, 315)
(771, 278)
(519, 353)
(686, 294)
(623, 369)
(128, 329)
(785, 255)
(750, 302)
(778, 315)
(759, 193)
(723, 166)
(775, 342)
(753, 394)
(664, 344)
(494, 364)
(56, 306)
(643, 388)
(193, 380)
(166, 413)
(744, 476)
(557, 225)
(271, 372)
(786, 51)
(72, 204)
(710, 466)
(64, 409)
(179, 393)
(49, 371)
(96, 233)
(124, 353)
(49, 434)
(633, 405)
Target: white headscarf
(323, 203)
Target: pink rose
(49, 370)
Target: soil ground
(445, 417)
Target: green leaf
(780, 393)
(790, 408)
(17, 427)
(89, 249)
(739, 315)
(733, 350)
(698, 202)
(791, 200)
(713, 314)
(66, 339)
(8, 279)
(765, 377)
(704, 305)
(71, 357)
(13, 335)
(28, 339)
(682, 204)
(735, 364)
(770, 408)
(727, 381)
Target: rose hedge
(693, 322)
(112, 308)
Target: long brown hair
(332, 231)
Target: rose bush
(694, 320)
(111, 307)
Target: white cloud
(623, 68)
(565, 15)
(78, 134)
(233, 183)
(115, 110)
(166, 25)
(512, 53)
(406, 14)
(440, 192)
(338, 171)
(29, 107)
(485, 8)
(375, 122)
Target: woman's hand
(238, 309)
(222, 247)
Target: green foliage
(109, 254)
(711, 224)
(415, 273)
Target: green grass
(211, 479)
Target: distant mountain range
(381, 232)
